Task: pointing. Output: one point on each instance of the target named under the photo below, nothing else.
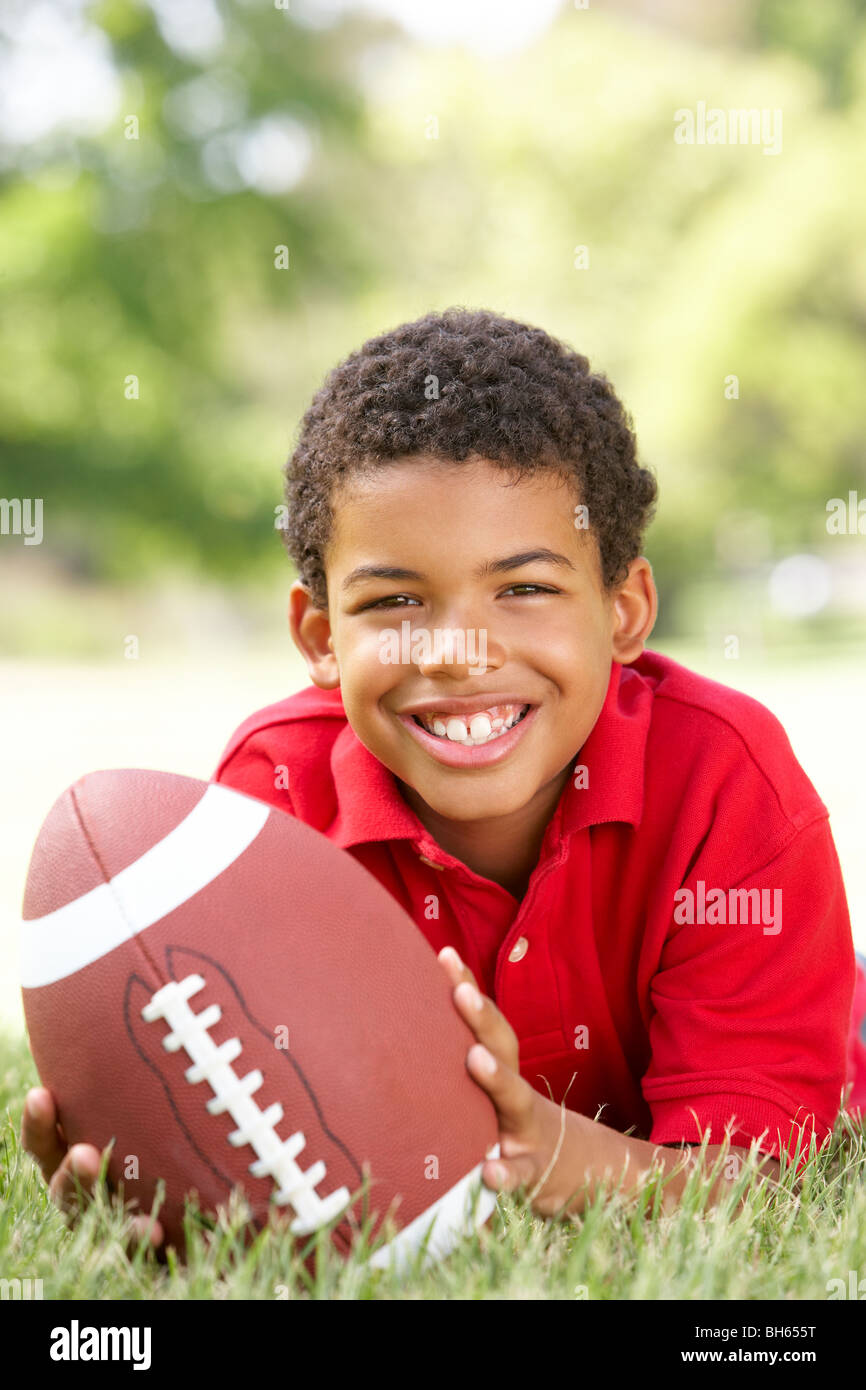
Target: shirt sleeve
(751, 1011)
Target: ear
(635, 605)
(311, 633)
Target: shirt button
(519, 949)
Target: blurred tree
(824, 36)
(148, 369)
(402, 178)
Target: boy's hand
(66, 1169)
(532, 1138)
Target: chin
(476, 805)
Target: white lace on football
(276, 1157)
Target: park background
(411, 157)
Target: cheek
(364, 676)
(359, 647)
(572, 651)
(579, 670)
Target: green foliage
(820, 35)
(430, 183)
(137, 265)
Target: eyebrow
(541, 555)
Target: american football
(234, 1001)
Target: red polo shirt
(660, 1011)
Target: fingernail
(486, 1061)
(470, 994)
(498, 1175)
(452, 955)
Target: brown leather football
(234, 1000)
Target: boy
(630, 881)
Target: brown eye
(392, 601)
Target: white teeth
(481, 728)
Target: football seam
(135, 934)
(257, 1026)
(256, 1209)
(260, 1028)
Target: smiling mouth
(475, 731)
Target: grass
(786, 1243)
(786, 1240)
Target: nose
(455, 651)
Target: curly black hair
(467, 384)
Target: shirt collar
(369, 804)
(370, 807)
(613, 756)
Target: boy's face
(497, 563)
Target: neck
(504, 849)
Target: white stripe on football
(221, 826)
